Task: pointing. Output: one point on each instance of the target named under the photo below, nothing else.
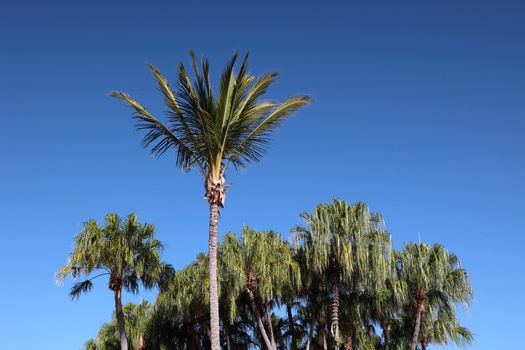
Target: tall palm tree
(433, 276)
(346, 243)
(210, 132)
(125, 251)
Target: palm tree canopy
(209, 130)
(127, 251)
(345, 238)
(188, 290)
(260, 260)
(440, 325)
(431, 272)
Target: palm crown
(211, 131)
(126, 251)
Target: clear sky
(419, 111)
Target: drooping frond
(79, 288)
(125, 250)
(160, 137)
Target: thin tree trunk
(310, 333)
(349, 344)
(419, 311)
(196, 344)
(120, 319)
(423, 345)
(292, 326)
(270, 326)
(260, 324)
(214, 295)
(385, 326)
(325, 343)
(386, 337)
(335, 314)
(228, 335)
(141, 342)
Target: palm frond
(79, 288)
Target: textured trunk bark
(335, 315)
(419, 311)
(258, 318)
(292, 326)
(141, 342)
(349, 344)
(214, 295)
(270, 326)
(120, 319)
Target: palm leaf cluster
(336, 283)
(210, 131)
(126, 252)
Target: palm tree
(210, 132)
(433, 277)
(347, 244)
(259, 265)
(137, 317)
(126, 251)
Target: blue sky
(419, 111)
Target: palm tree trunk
(292, 326)
(141, 343)
(227, 333)
(260, 324)
(214, 296)
(196, 344)
(270, 327)
(349, 345)
(120, 319)
(335, 315)
(385, 326)
(419, 311)
(310, 333)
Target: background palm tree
(209, 132)
(125, 251)
(347, 245)
(433, 277)
(274, 288)
(261, 262)
(137, 317)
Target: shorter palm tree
(125, 251)
(346, 245)
(258, 265)
(433, 277)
